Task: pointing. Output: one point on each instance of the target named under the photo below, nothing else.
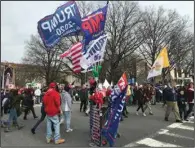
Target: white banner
(95, 52)
(156, 69)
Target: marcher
(182, 101)
(140, 97)
(28, 103)
(43, 115)
(83, 94)
(38, 95)
(15, 99)
(147, 98)
(190, 99)
(66, 106)
(171, 101)
(52, 106)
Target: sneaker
(69, 130)
(144, 114)
(60, 141)
(179, 121)
(36, 117)
(49, 140)
(137, 113)
(33, 131)
(20, 127)
(7, 130)
(150, 113)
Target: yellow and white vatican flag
(156, 69)
(162, 61)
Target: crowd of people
(57, 104)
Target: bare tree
(49, 64)
(163, 28)
(122, 22)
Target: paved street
(136, 131)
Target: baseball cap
(52, 85)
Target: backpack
(6, 104)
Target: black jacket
(170, 94)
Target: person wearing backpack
(14, 100)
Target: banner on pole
(65, 21)
(118, 97)
(93, 24)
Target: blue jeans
(67, 118)
(12, 116)
(56, 124)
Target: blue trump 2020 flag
(109, 130)
(93, 24)
(66, 21)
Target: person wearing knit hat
(51, 101)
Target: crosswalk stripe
(155, 143)
(166, 132)
(180, 126)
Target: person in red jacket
(51, 102)
(190, 98)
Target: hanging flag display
(75, 52)
(65, 21)
(95, 52)
(93, 24)
(118, 96)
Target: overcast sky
(19, 20)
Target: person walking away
(153, 95)
(51, 101)
(28, 103)
(140, 97)
(128, 93)
(38, 95)
(130, 102)
(171, 101)
(182, 101)
(164, 98)
(43, 115)
(66, 106)
(147, 98)
(84, 98)
(15, 100)
(190, 99)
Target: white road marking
(180, 126)
(155, 143)
(166, 132)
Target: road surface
(136, 131)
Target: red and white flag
(75, 52)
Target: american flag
(75, 52)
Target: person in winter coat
(28, 103)
(43, 115)
(14, 102)
(182, 101)
(66, 106)
(83, 94)
(171, 100)
(148, 98)
(190, 99)
(51, 101)
(140, 97)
